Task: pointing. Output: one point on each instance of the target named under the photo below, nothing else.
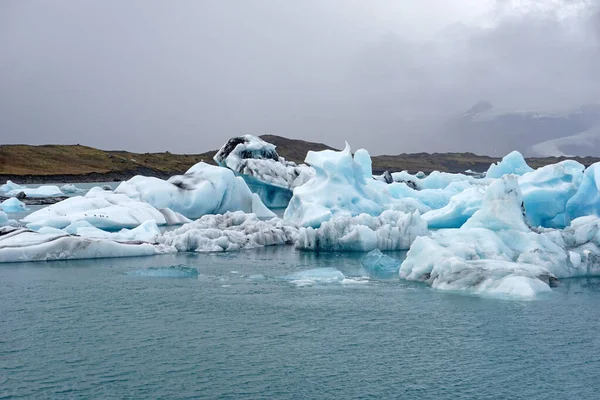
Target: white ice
(70, 189)
(496, 252)
(392, 230)
(229, 231)
(203, 189)
(586, 201)
(102, 209)
(19, 244)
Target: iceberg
(203, 189)
(377, 264)
(20, 244)
(547, 190)
(71, 189)
(392, 230)
(12, 205)
(512, 163)
(435, 180)
(42, 191)
(228, 232)
(10, 186)
(269, 175)
(339, 188)
(496, 251)
(102, 209)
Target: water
(255, 324)
(243, 329)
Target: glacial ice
(13, 189)
(10, 186)
(496, 252)
(3, 218)
(316, 276)
(19, 244)
(146, 232)
(512, 163)
(380, 265)
(228, 232)
(71, 189)
(547, 190)
(339, 188)
(392, 230)
(586, 200)
(102, 209)
(173, 271)
(203, 189)
(458, 210)
(271, 176)
(12, 205)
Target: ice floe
(102, 209)
(203, 189)
(229, 231)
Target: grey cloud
(186, 76)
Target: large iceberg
(512, 163)
(458, 210)
(203, 189)
(339, 188)
(497, 252)
(391, 230)
(19, 244)
(229, 231)
(269, 175)
(102, 209)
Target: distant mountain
(484, 129)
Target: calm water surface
(92, 329)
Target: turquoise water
(242, 328)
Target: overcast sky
(184, 76)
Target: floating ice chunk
(586, 201)
(338, 188)
(70, 189)
(495, 251)
(10, 186)
(19, 244)
(12, 205)
(316, 276)
(377, 264)
(102, 209)
(230, 231)
(392, 230)
(512, 163)
(42, 191)
(3, 218)
(203, 189)
(547, 190)
(173, 271)
(459, 209)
